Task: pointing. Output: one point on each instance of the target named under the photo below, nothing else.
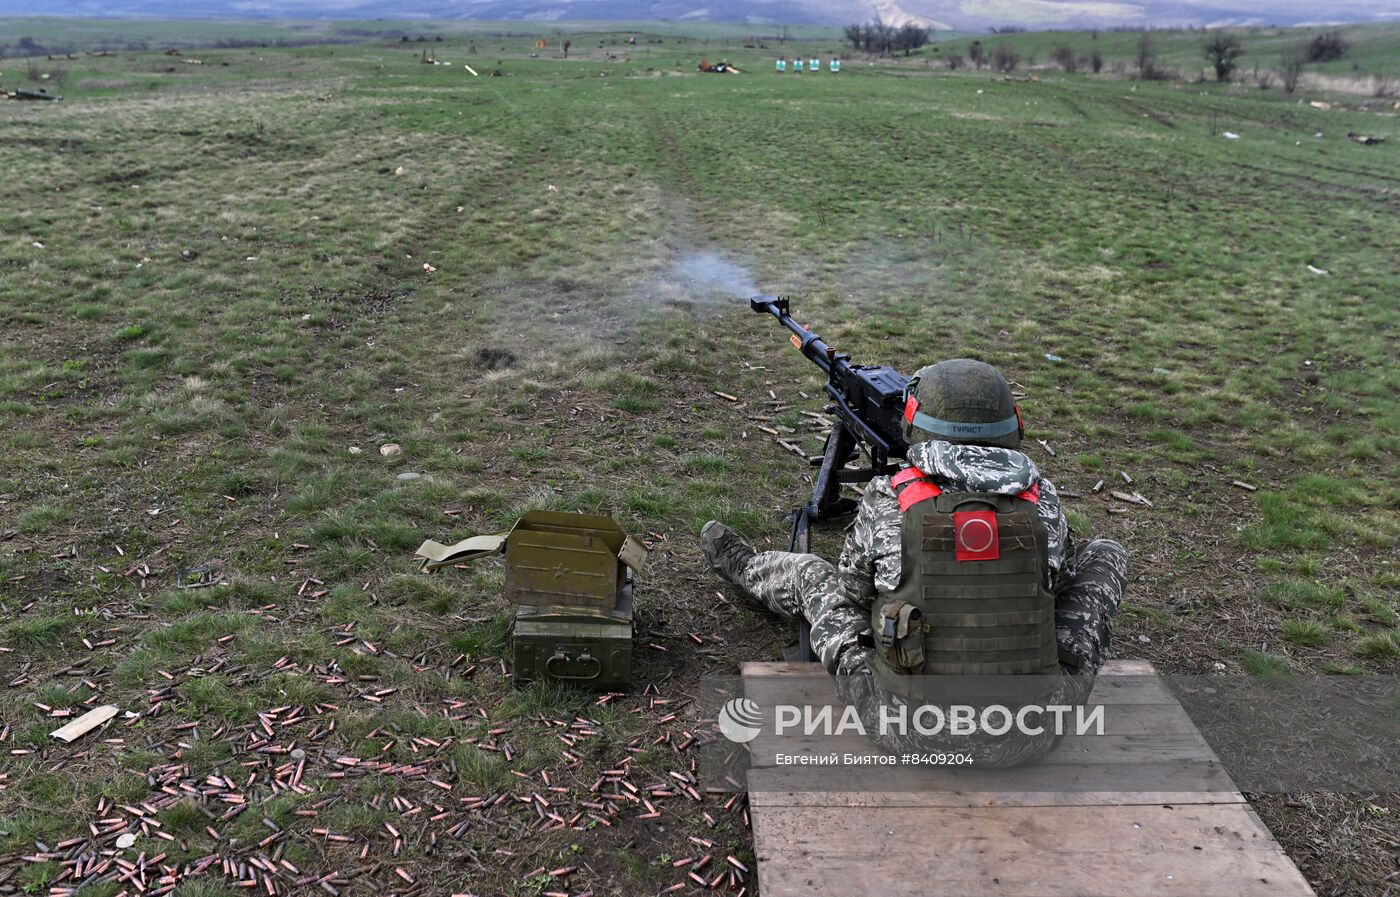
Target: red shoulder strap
(911, 486)
(905, 475)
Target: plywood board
(1042, 831)
(1101, 851)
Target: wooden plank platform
(972, 837)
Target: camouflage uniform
(1088, 581)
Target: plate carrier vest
(973, 597)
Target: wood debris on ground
(1132, 498)
(85, 723)
(796, 450)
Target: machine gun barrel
(867, 398)
(867, 401)
(811, 345)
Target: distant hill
(959, 14)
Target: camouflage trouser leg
(808, 587)
(1085, 605)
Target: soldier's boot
(726, 552)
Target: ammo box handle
(582, 658)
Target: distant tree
(1291, 68)
(911, 37)
(1222, 52)
(1004, 59)
(1327, 47)
(882, 37)
(977, 53)
(1148, 68)
(1064, 57)
(1146, 57)
(955, 60)
(872, 37)
(27, 46)
(1096, 61)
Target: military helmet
(961, 401)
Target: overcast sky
(1046, 13)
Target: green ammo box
(587, 646)
(570, 577)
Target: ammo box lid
(554, 558)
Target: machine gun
(867, 401)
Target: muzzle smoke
(706, 276)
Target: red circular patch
(975, 535)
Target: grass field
(225, 286)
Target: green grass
(37, 632)
(478, 769)
(1380, 646)
(1291, 594)
(1261, 663)
(1380, 609)
(1303, 632)
(42, 518)
(172, 405)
